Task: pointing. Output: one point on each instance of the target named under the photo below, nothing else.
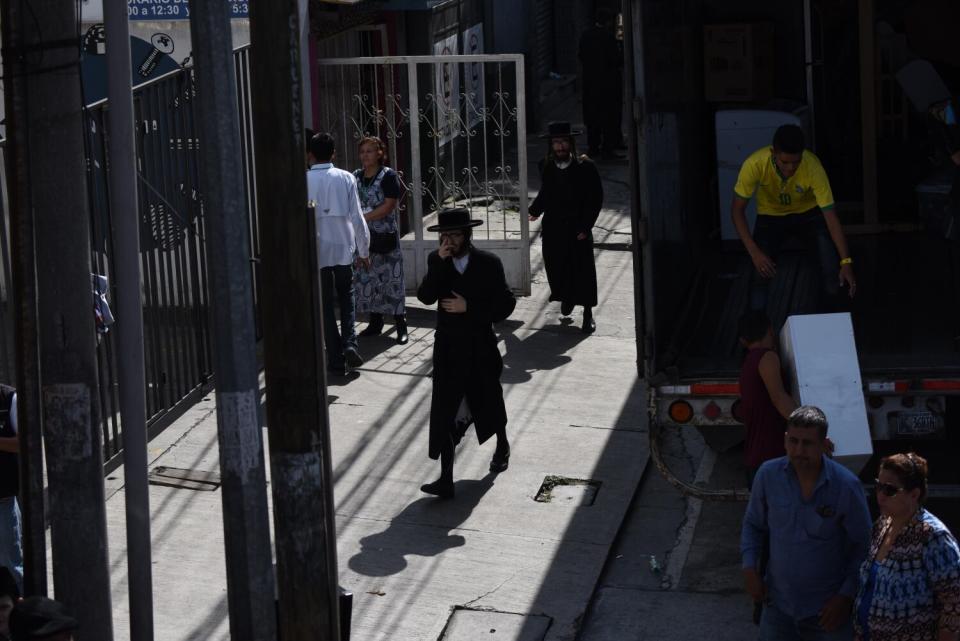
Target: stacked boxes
(738, 62)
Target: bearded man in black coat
(570, 199)
(473, 293)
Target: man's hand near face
(446, 249)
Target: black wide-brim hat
(561, 129)
(450, 219)
(37, 617)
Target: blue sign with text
(177, 9)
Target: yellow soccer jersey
(809, 187)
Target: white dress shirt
(461, 263)
(341, 229)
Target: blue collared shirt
(816, 546)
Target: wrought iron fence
(173, 271)
(173, 267)
(454, 133)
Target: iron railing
(173, 263)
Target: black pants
(771, 232)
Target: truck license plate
(918, 424)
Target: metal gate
(455, 130)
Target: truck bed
(906, 314)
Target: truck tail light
(680, 412)
(942, 385)
(712, 411)
(715, 389)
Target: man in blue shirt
(811, 515)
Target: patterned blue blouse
(917, 587)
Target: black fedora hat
(36, 617)
(450, 219)
(561, 129)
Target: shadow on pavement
(539, 350)
(384, 553)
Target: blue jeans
(771, 232)
(336, 283)
(11, 554)
(777, 626)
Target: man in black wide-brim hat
(570, 199)
(472, 291)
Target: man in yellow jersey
(793, 200)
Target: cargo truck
(892, 187)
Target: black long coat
(466, 361)
(570, 200)
(602, 92)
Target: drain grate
(568, 491)
(488, 625)
(184, 479)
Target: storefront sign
(141, 10)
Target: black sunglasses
(886, 488)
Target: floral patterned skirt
(379, 289)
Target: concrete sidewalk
(492, 561)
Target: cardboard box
(820, 354)
(739, 62)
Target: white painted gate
(456, 134)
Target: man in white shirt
(342, 239)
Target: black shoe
(338, 371)
(352, 357)
(500, 461)
(401, 324)
(374, 327)
(589, 326)
(566, 309)
(441, 488)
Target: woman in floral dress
(910, 580)
(379, 289)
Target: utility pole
(293, 354)
(246, 524)
(48, 50)
(16, 63)
(129, 326)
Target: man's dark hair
(322, 147)
(789, 139)
(809, 416)
(753, 325)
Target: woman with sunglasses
(910, 581)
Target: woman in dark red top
(764, 403)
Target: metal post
(23, 259)
(293, 354)
(246, 526)
(129, 326)
(304, 15)
(57, 189)
(637, 149)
